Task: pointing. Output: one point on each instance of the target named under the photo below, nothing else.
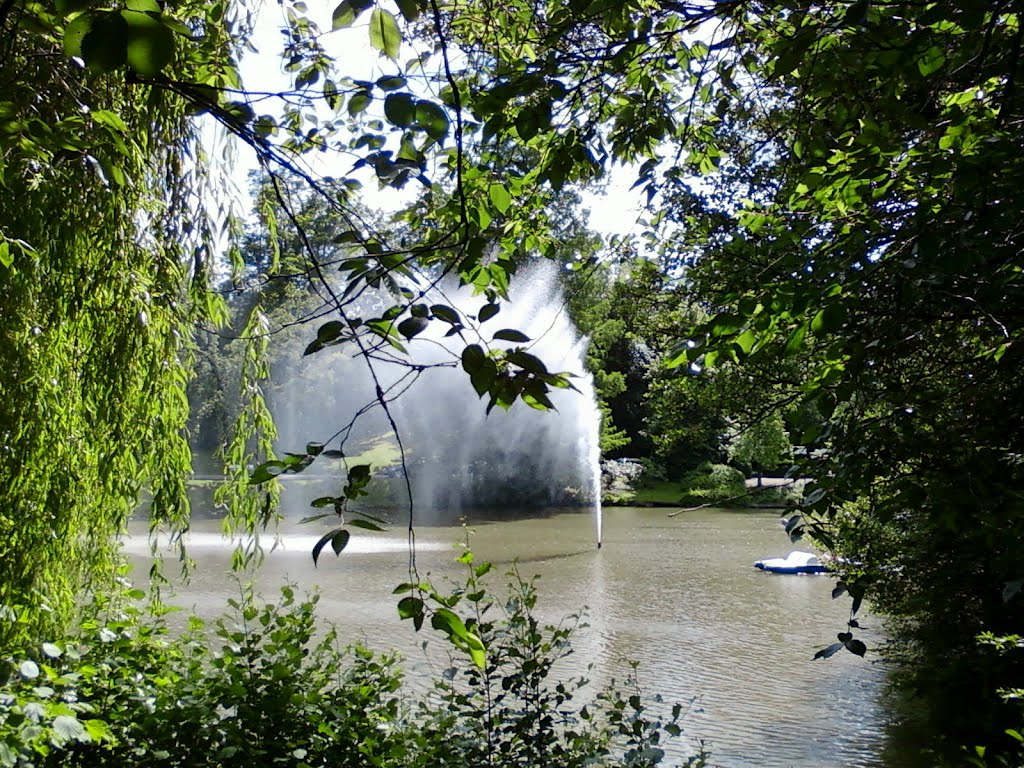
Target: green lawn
(663, 492)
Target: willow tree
(104, 258)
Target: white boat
(794, 562)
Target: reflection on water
(679, 596)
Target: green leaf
(795, 340)
(331, 94)
(75, 32)
(143, 6)
(410, 9)
(449, 622)
(267, 471)
(745, 341)
(347, 12)
(330, 331)
(511, 334)
(500, 197)
(408, 607)
(359, 102)
(400, 109)
(359, 473)
(64, 7)
(98, 730)
(931, 61)
(391, 82)
(432, 118)
(725, 324)
(477, 651)
(829, 320)
(385, 35)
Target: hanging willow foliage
(104, 264)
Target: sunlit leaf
(385, 35)
(432, 118)
(347, 12)
(408, 607)
(150, 45)
(500, 197)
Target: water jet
(460, 459)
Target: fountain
(460, 458)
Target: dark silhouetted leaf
(829, 320)
(831, 650)
(487, 311)
(472, 358)
(432, 118)
(856, 647)
(391, 82)
(511, 334)
(324, 540)
(447, 314)
(340, 540)
(400, 109)
(365, 524)
(413, 326)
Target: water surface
(678, 595)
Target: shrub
(712, 484)
(128, 693)
(257, 688)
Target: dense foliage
(103, 255)
(266, 685)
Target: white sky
(612, 212)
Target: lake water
(678, 595)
